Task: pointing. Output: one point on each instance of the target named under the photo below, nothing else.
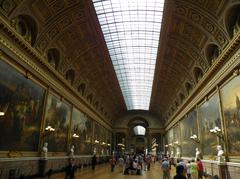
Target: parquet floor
(103, 172)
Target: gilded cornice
(27, 56)
(227, 61)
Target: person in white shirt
(188, 166)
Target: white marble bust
(72, 151)
(178, 152)
(167, 153)
(198, 154)
(220, 154)
(45, 149)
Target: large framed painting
(81, 132)
(109, 142)
(176, 134)
(57, 118)
(188, 127)
(209, 117)
(176, 140)
(102, 141)
(21, 102)
(97, 138)
(230, 94)
(170, 143)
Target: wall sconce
(50, 129)
(75, 135)
(176, 143)
(121, 145)
(3, 109)
(166, 146)
(170, 145)
(109, 145)
(195, 138)
(96, 141)
(217, 131)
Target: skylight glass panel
(139, 130)
(131, 29)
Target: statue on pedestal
(72, 151)
(167, 153)
(220, 154)
(198, 154)
(45, 150)
(178, 153)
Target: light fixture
(96, 141)
(3, 109)
(50, 128)
(217, 131)
(121, 145)
(195, 138)
(176, 143)
(75, 135)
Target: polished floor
(103, 172)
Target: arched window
(139, 130)
(182, 97)
(26, 27)
(53, 57)
(82, 88)
(232, 20)
(188, 87)
(96, 104)
(70, 75)
(198, 73)
(176, 104)
(90, 98)
(212, 52)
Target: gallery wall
(219, 109)
(32, 114)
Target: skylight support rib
(131, 29)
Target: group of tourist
(132, 164)
(184, 170)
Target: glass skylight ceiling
(131, 29)
(139, 130)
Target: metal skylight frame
(131, 29)
(139, 130)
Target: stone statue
(178, 152)
(45, 150)
(167, 153)
(198, 154)
(72, 151)
(220, 154)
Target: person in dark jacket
(180, 172)
(70, 170)
(94, 161)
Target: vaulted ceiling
(192, 31)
